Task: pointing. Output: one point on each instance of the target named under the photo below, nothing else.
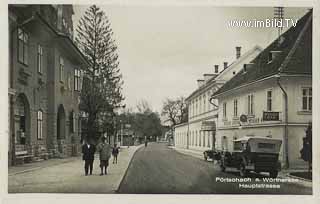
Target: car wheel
(273, 174)
(243, 171)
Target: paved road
(159, 169)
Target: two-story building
(272, 95)
(199, 132)
(44, 81)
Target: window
(61, 69)
(204, 139)
(196, 106)
(224, 110)
(69, 81)
(270, 56)
(77, 80)
(250, 104)
(235, 108)
(200, 105)
(23, 40)
(72, 122)
(209, 95)
(266, 146)
(40, 58)
(39, 125)
(196, 133)
(269, 100)
(307, 99)
(204, 103)
(199, 138)
(209, 142)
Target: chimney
(238, 52)
(200, 82)
(225, 65)
(216, 69)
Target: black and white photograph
(165, 99)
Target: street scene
(111, 99)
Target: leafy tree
(144, 121)
(306, 151)
(175, 110)
(102, 84)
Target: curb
(125, 173)
(37, 168)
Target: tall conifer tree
(102, 84)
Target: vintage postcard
(172, 99)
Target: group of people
(104, 149)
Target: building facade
(272, 96)
(200, 130)
(44, 81)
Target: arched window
(39, 124)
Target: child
(115, 152)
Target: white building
(257, 95)
(198, 133)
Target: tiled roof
(295, 56)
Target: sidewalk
(284, 173)
(67, 175)
(27, 167)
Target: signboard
(270, 116)
(208, 126)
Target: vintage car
(258, 154)
(211, 154)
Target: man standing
(88, 151)
(104, 150)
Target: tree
(306, 151)
(144, 121)
(102, 84)
(175, 110)
(143, 107)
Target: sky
(164, 49)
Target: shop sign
(270, 116)
(208, 126)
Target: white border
(89, 198)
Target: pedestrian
(115, 152)
(88, 151)
(145, 141)
(104, 150)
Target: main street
(159, 169)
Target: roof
(66, 40)
(216, 77)
(295, 57)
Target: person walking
(104, 150)
(145, 141)
(115, 152)
(88, 151)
